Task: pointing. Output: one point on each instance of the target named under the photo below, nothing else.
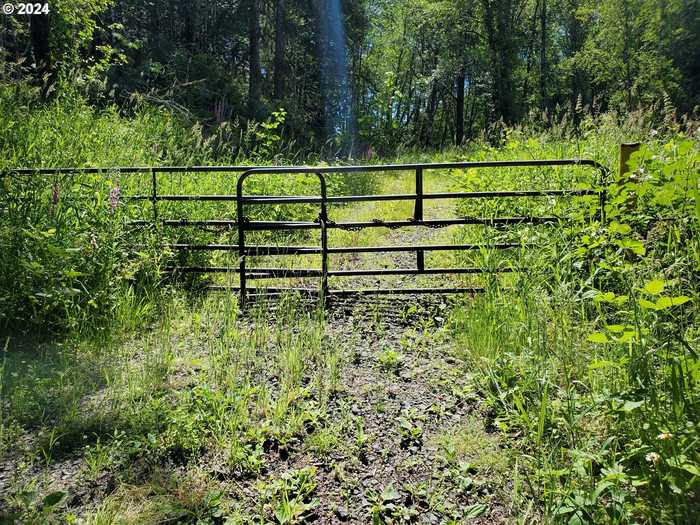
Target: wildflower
(664, 436)
(114, 198)
(653, 457)
(55, 194)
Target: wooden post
(626, 151)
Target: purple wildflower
(114, 198)
(55, 194)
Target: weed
(289, 499)
(410, 428)
(390, 360)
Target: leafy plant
(289, 499)
(390, 360)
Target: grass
(566, 393)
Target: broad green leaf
(626, 337)
(622, 229)
(629, 406)
(684, 147)
(665, 196)
(689, 467)
(620, 299)
(475, 510)
(668, 302)
(605, 297)
(615, 328)
(655, 287)
(54, 499)
(390, 494)
(601, 487)
(634, 246)
(598, 337)
(647, 304)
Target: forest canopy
(355, 75)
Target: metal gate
(243, 224)
(324, 223)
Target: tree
(254, 73)
(500, 25)
(39, 28)
(543, 55)
(280, 38)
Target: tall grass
(69, 258)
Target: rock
(342, 513)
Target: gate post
(154, 197)
(241, 236)
(418, 216)
(323, 219)
(626, 151)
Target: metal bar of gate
(266, 292)
(343, 199)
(308, 225)
(418, 216)
(417, 220)
(325, 169)
(155, 197)
(244, 225)
(306, 250)
(274, 273)
(323, 220)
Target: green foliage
(594, 358)
(289, 499)
(421, 72)
(69, 258)
(390, 360)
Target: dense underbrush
(69, 257)
(593, 356)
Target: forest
(355, 75)
(350, 261)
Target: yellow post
(626, 151)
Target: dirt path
(393, 237)
(409, 443)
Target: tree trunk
(530, 50)
(459, 110)
(430, 111)
(189, 15)
(254, 76)
(39, 29)
(499, 30)
(280, 43)
(627, 53)
(543, 56)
